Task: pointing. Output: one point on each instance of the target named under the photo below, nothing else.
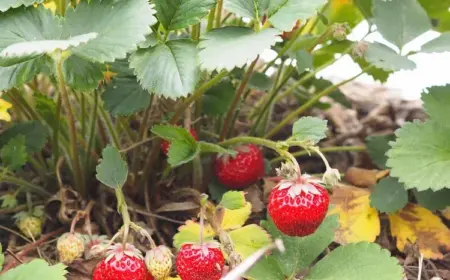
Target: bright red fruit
(122, 264)
(298, 206)
(165, 145)
(241, 170)
(200, 262)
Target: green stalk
(195, 35)
(196, 95)
(111, 129)
(219, 13)
(310, 103)
(324, 150)
(26, 185)
(61, 7)
(227, 123)
(197, 175)
(91, 131)
(79, 181)
(83, 114)
(123, 210)
(55, 146)
(212, 14)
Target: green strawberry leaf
(172, 133)
(112, 170)
(113, 22)
(260, 81)
(8, 201)
(266, 268)
(435, 103)
(14, 153)
(218, 99)
(181, 152)
(2, 257)
(125, 96)
(437, 45)
(433, 200)
(357, 261)
(400, 21)
(8, 4)
(302, 251)
(304, 61)
(365, 6)
(381, 56)
(309, 129)
(36, 269)
(46, 107)
(377, 147)
(35, 135)
(249, 239)
(283, 14)
(177, 14)
(425, 141)
(82, 74)
(389, 196)
(236, 46)
(216, 189)
(247, 8)
(168, 69)
(16, 75)
(233, 200)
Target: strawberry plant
(125, 120)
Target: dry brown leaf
(177, 206)
(358, 221)
(446, 213)
(254, 195)
(361, 177)
(415, 224)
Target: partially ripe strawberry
(200, 262)
(241, 170)
(298, 206)
(122, 264)
(70, 246)
(159, 262)
(165, 145)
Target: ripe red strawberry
(241, 170)
(298, 206)
(165, 145)
(122, 264)
(200, 262)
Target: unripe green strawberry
(30, 225)
(159, 262)
(70, 246)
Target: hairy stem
(324, 150)
(237, 98)
(79, 182)
(219, 13)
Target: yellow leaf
(4, 106)
(190, 232)
(249, 239)
(174, 278)
(415, 224)
(358, 221)
(236, 218)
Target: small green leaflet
(260, 81)
(112, 170)
(181, 152)
(8, 4)
(389, 196)
(46, 107)
(35, 135)
(37, 269)
(382, 56)
(426, 141)
(216, 189)
(253, 9)
(82, 74)
(433, 200)
(377, 146)
(8, 201)
(304, 61)
(171, 133)
(284, 13)
(168, 69)
(309, 129)
(236, 46)
(400, 21)
(177, 14)
(233, 200)
(357, 261)
(437, 45)
(218, 99)
(125, 96)
(14, 153)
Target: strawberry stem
(203, 200)
(123, 210)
